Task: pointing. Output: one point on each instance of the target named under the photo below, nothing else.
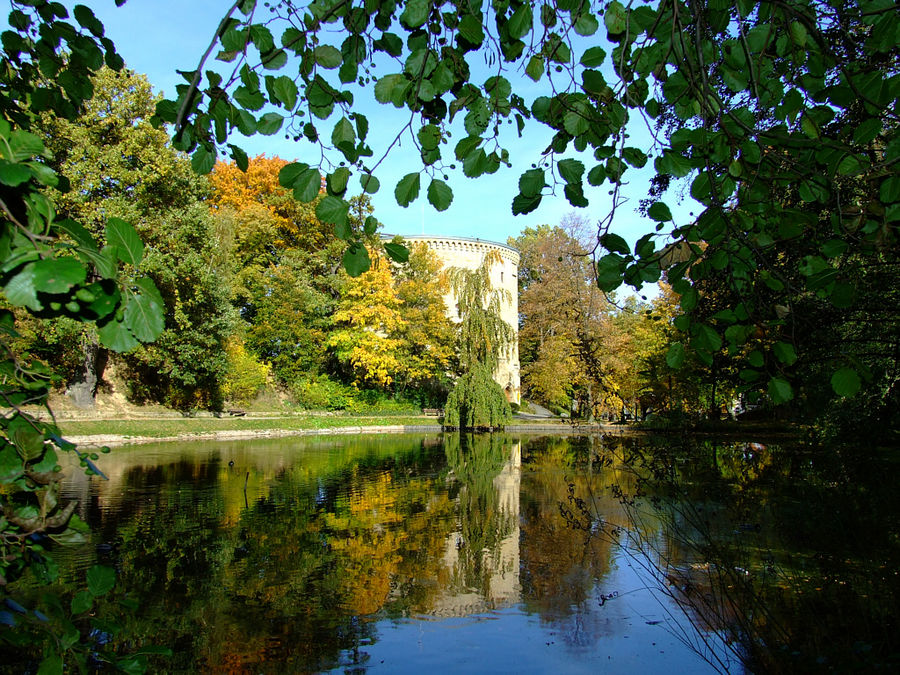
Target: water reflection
(391, 552)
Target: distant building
(469, 253)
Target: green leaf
(673, 164)
(522, 204)
(283, 89)
(344, 135)
(128, 245)
(570, 170)
(471, 29)
(889, 192)
(532, 182)
(610, 270)
(784, 352)
(13, 174)
(11, 466)
(675, 355)
(240, 157)
(535, 68)
(356, 260)
(520, 22)
(415, 14)
(337, 180)
(57, 275)
(82, 602)
(614, 243)
(780, 390)
(101, 580)
(440, 195)
(845, 382)
(593, 57)
(307, 185)
(203, 160)
(659, 212)
(407, 189)
(290, 173)
(51, 665)
(269, 124)
(586, 24)
(429, 136)
(708, 338)
(615, 18)
(274, 60)
(369, 183)
(333, 210)
(115, 335)
(328, 56)
(144, 317)
(262, 38)
(397, 252)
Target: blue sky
(158, 37)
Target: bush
(246, 375)
(320, 393)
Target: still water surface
(396, 553)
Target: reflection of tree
(343, 530)
(560, 563)
(788, 555)
(476, 460)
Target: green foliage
(130, 171)
(483, 334)
(477, 401)
(782, 128)
(53, 267)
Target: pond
(494, 553)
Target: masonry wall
(469, 253)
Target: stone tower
(469, 253)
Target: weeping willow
(477, 401)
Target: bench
(237, 412)
(433, 412)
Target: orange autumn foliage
(242, 192)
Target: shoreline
(119, 440)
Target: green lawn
(160, 428)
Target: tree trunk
(84, 391)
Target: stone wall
(469, 253)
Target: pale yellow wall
(469, 254)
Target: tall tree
(477, 401)
(367, 321)
(125, 168)
(428, 336)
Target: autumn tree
(368, 320)
(428, 335)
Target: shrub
(246, 375)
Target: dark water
(410, 553)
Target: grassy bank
(169, 427)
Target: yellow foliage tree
(429, 337)
(368, 320)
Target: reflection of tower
(498, 565)
(505, 578)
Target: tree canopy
(780, 119)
